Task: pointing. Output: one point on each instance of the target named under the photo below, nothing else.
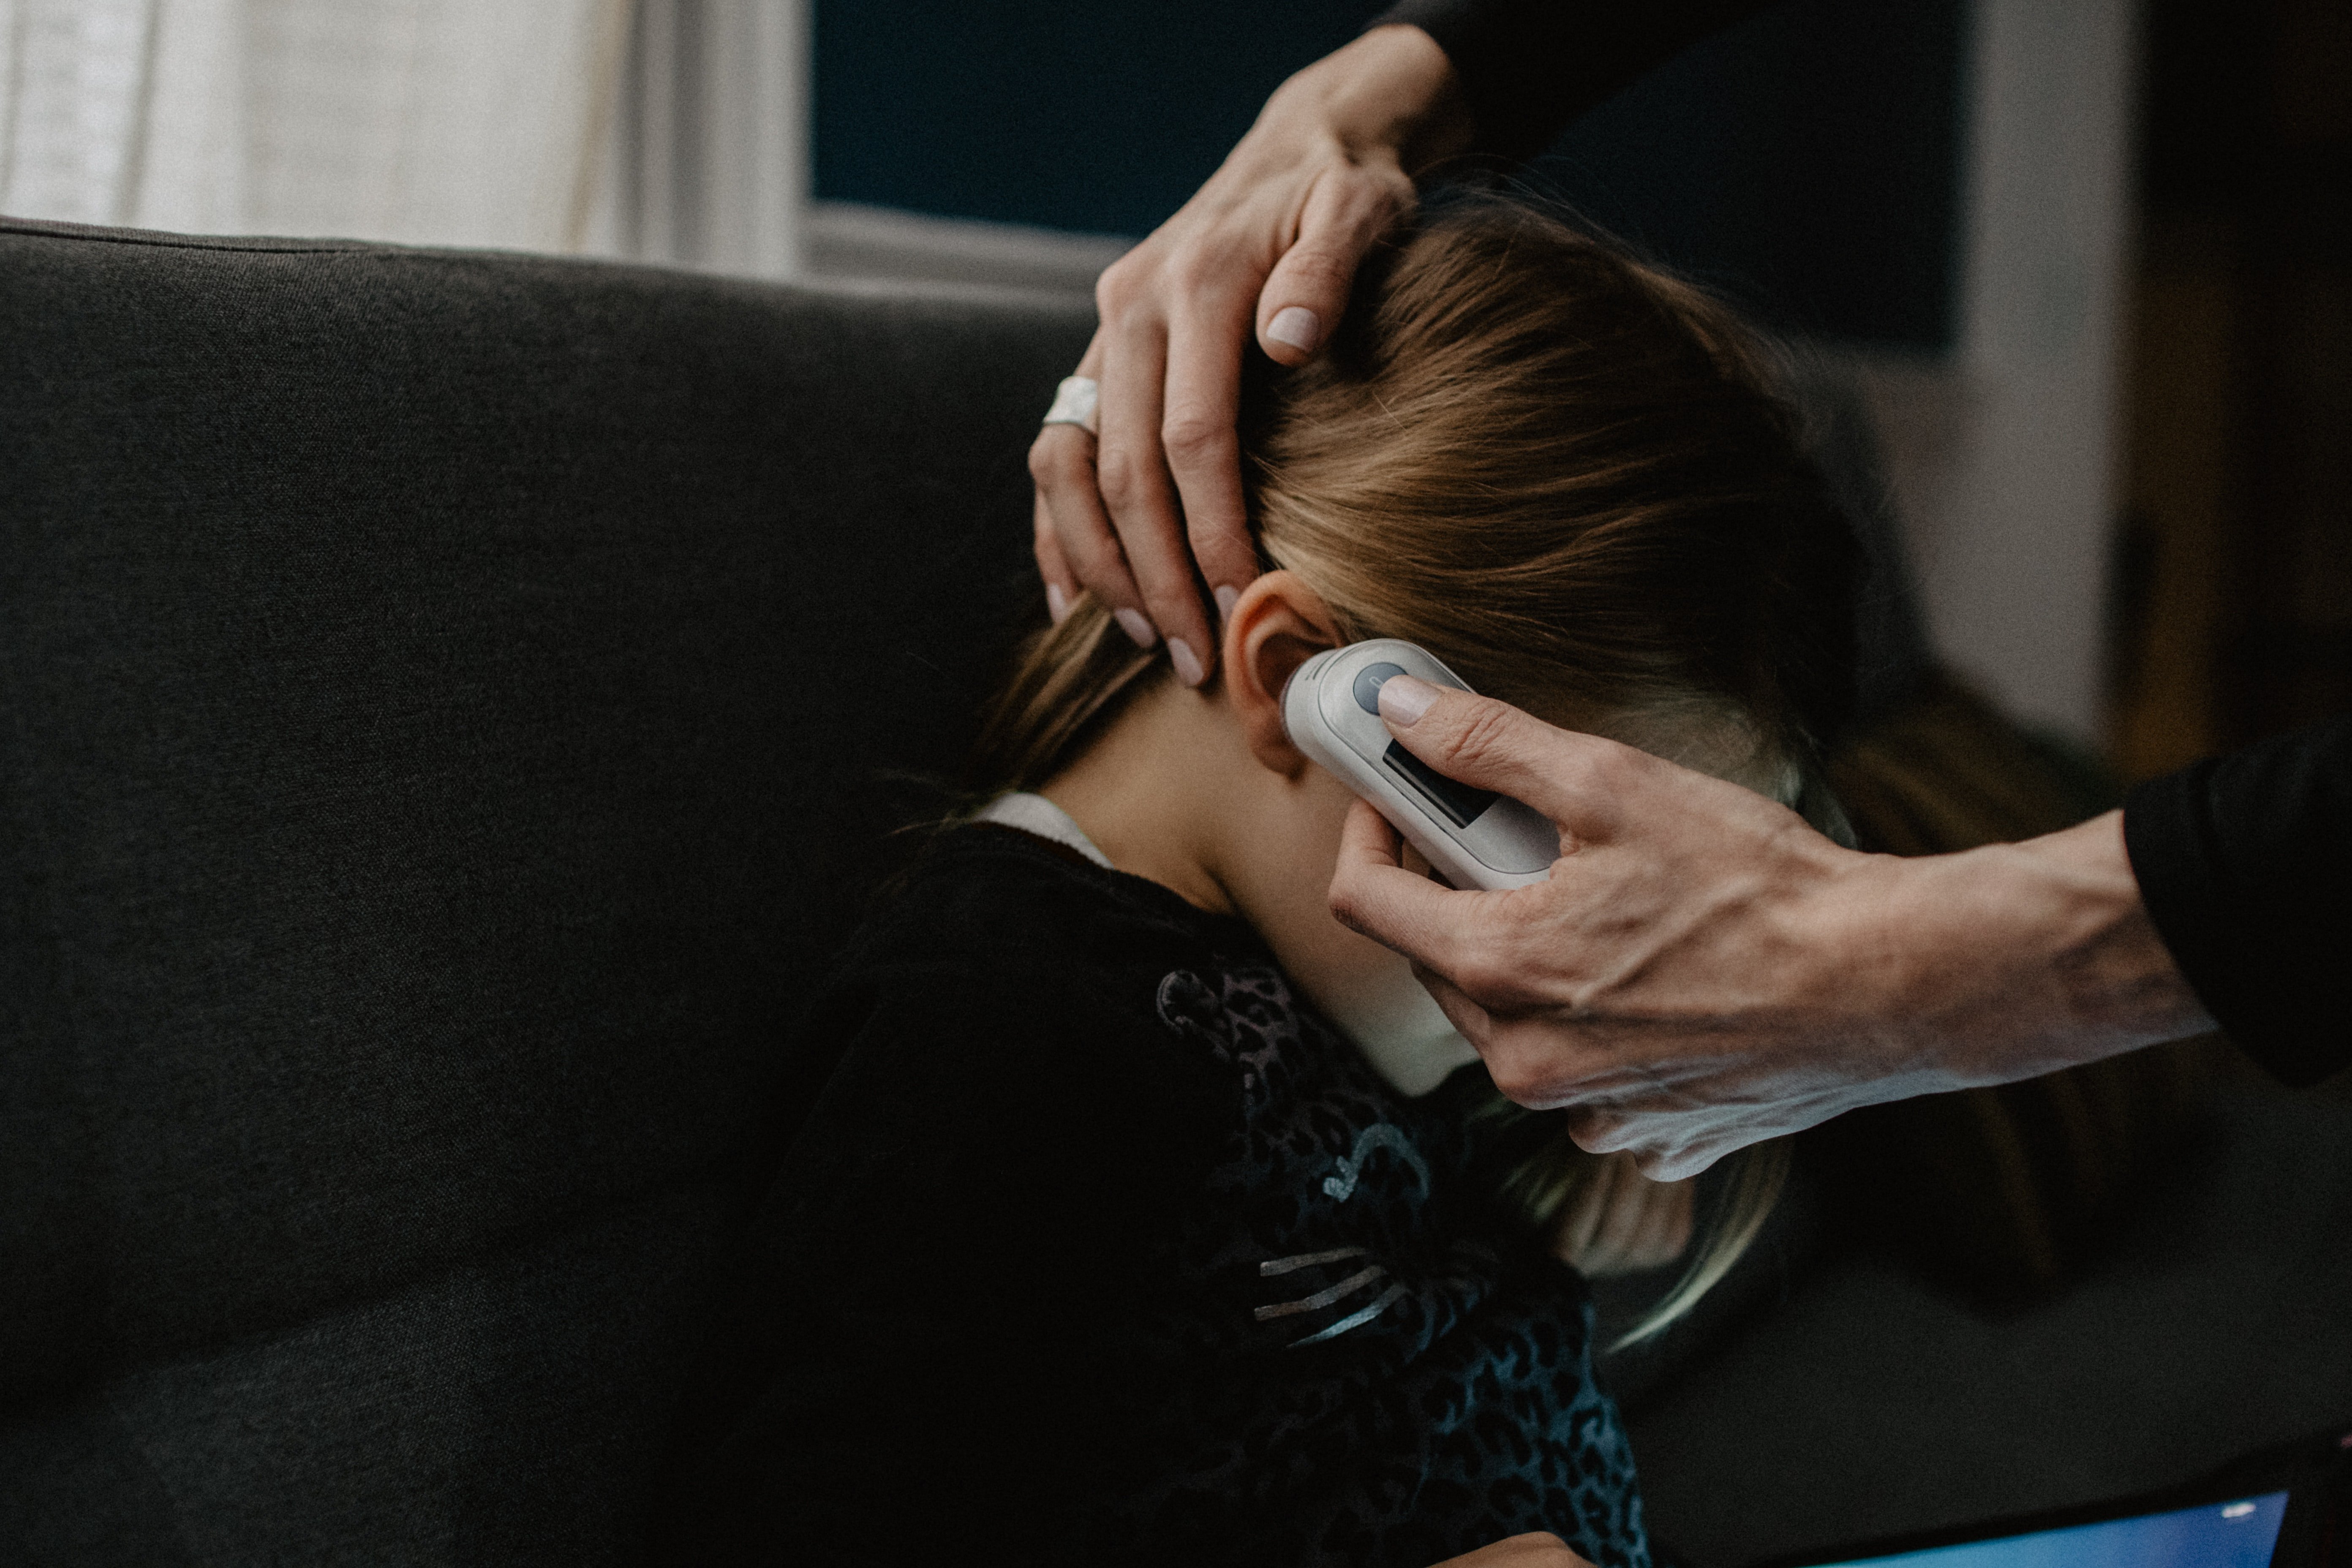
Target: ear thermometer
(1475, 839)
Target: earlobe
(1277, 625)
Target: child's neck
(1173, 791)
(1156, 791)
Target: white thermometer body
(1473, 838)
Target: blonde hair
(1568, 476)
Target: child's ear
(1278, 625)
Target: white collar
(1035, 815)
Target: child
(1148, 1214)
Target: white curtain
(670, 130)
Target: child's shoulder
(999, 999)
(987, 899)
(998, 943)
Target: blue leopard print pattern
(1371, 1377)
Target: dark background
(2234, 549)
(1805, 162)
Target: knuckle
(1480, 976)
(1046, 466)
(1599, 1131)
(1608, 768)
(1483, 736)
(1122, 477)
(1192, 433)
(1517, 1074)
(1120, 285)
(1346, 898)
(1058, 457)
(1317, 268)
(1197, 270)
(1393, 191)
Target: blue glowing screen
(2218, 1535)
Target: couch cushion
(451, 700)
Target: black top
(2245, 862)
(1101, 1244)
(1529, 67)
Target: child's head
(1561, 472)
(1567, 475)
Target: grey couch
(447, 704)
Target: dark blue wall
(1806, 162)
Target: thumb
(1306, 293)
(1577, 780)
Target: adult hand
(1540, 1549)
(1702, 970)
(1273, 238)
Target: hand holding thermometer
(1475, 839)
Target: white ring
(1074, 402)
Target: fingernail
(1296, 325)
(1187, 664)
(1226, 597)
(1134, 625)
(1405, 699)
(1057, 604)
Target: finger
(1062, 465)
(1577, 780)
(1471, 1021)
(1199, 430)
(1061, 585)
(1133, 470)
(1372, 893)
(1656, 1142)
(1345, 213)
(1062, 462)
(1680, 1163)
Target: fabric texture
(1109, 1237)
(453, 704)
(1529, 67)
(2245, 863)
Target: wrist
(2117, 977)
(2014, 960)
(1393, 91)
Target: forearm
(2014, 960)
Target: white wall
(2010, 483)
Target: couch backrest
(447, 704)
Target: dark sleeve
(1529, 67)
(918, 1362)
(2245, 863)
